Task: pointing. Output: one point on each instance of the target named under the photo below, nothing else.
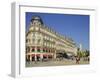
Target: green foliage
(80, 54)
(83, 53)
(87, 53)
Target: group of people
(84, 59)
(77, 59)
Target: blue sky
(74, 26)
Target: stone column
(47, 56)
(30, 49)
(41, 55)
(30, 58)
(35, 53)
(35, 58)
(54, 54)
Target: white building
(43, 42)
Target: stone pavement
(55, 63)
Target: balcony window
(43, 50)
(33, 40)
(33, 49)
(38, 41)
(26, 40)
(38, 50)
(46, 50)
(27, 49)
(49, 51)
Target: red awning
(33, 55)
(45, 55)
(38, 55)
(50, 55)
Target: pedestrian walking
(77, 59)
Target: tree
(87, 53)
(80, 53)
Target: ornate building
(43, 42)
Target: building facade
(44, 43)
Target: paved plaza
(55, 63)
